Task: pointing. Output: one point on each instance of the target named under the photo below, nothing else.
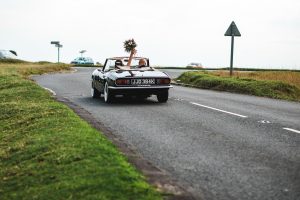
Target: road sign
(58, 45)
(82, 52)
(55, 42)
(232, 31)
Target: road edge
(155, 176)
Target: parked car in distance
(115, 78)
(8, 54)
(194, 65)
(83, 61)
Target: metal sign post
(58, 45)
(232, 31)
(82, 52)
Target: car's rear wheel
(95, 93)
(108, 96)
(163, 97)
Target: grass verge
(48, 152)
(245, 85)
(289, 77)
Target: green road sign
(233, 30)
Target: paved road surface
(218, 145)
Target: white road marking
(177, 99)
(224, 111)
(53, 93)
(264, 122)
(293, 130)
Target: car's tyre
(163, 97)
(108, 96)
(95, 93)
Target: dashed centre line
(224, 111)
(293, 130)
(235, 114)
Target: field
(24, 69)
(289, 77)
(277, 84)
(48, 152)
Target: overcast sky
(169, 32)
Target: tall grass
(221, 81)
(28, 68)
(289, 77)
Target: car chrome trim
(144, 87)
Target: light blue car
(83, 61)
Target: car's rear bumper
(140, 90)
(140, 87)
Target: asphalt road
(218, 145)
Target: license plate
(149, 81)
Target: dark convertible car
(141, 81)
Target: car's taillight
(122, 81)
(163, 81)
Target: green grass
(266, 88)
(289, 77)
(48, 152)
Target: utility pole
(232, 31)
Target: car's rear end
(142, 83)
